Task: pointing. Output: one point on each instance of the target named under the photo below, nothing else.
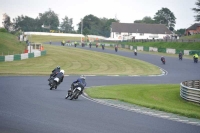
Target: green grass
(164, 97)
(9, 44)
(195, 36)
(174, 45)
(77, 61)
(45, 38)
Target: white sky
(127, 11)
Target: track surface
(28, 106)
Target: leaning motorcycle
(53, 82)
(74, 94)
(135, 53)
(103, 47)
(116, 49)
(195, 60)
(163, 61)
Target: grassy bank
(9, 44)
(40, 38)
(160, 97)
(77, 61)
(174, 45)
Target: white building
(124, 31)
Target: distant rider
(196, 57)
(180, 55)
(162, 58)
(54, 72)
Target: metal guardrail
(190, 90)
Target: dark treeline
(49, 22)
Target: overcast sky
(127, 11)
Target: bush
(3, 30)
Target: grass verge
(164, 97)
(77, 61)
(9, 44)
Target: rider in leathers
(54, 72)
(80, 82)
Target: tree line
(89, 25)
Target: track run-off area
(28, 106)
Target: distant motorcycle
(74, 94)
(53, 82)
(195, 60)
(135, 53)
(180, 56)
(62, 43)
(163, 61)
(74, 45)
(116, 49)
(103, 47)
(90, 45)
(96, 45)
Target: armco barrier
(22, 56)
(190, 90)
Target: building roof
(140, 28)
(194, 26)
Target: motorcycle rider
(135, 51)
(116, 48)
(60, 75)
(81, 84)
(90, 44)
(103, 46)
(54, 72)
(180, 56)
(162, 58)
(196, 57)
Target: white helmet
(62, 71)
(82, 77)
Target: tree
(146, 20)
(165, 16)
(106, 26)
(93, 25)
(90, 25)
(66, 25)
(197, 10)
(48, 18)
(8, 25)
(180, 32)
(26, 23)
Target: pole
(30, 42)
(81, 29)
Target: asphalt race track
(28, 106)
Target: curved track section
(27, 104)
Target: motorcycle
(180, 57)
(135, 53)
(163, 61)
(195, 60)
(96, 45)
(74, 94)
(116, 49)
(103, 47)
(90, 45)
(62, 43)
(74, 45)
(53, 82)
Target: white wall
(63, 34)
(125, 36)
